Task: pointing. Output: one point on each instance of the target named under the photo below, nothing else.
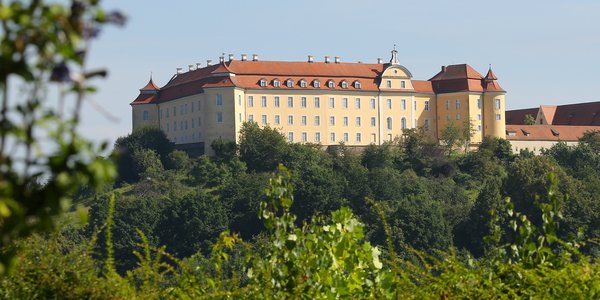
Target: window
(403, 123)
(317, 120)
(219, 99)
(344, 84)
(303, 83)
(168, 127)
(303, 101)
(276, 101)
(263, 101)
(389, 103)
(389, 123)
(478, 117)
(345, 102)
(317, 83)
(426, 125)
(331, 102)
(357, 85)
(250, 101)
(239, 99)
(239, 102)
(330, 84)
(373, 122)
(447, 117)
(290, 137)
(304, 137)
(317, 102)
(458, 116)
(175, 124)
(415, 105)
(180, 125)
(317, 137)
(250, 118)
(403, 84)
(290, 120)
(358, 137)
(186, 124)
(276, 83)
(332, 120)
(289, 83)
(372, 103)
(174, 111)
(277, 120)
(426, 105)
(181, 111)
(332, 136)
(457, 104)
(263, 119)
(497, 103)
(478, 127)
(290, 102)
(263, 82)
(219, 117)
(389, 84)
(303, 120)
(239, 117)
(447, 104)
(479, 103)
(193, 123)
(403, 104)
(345, 137)
(357, 103)
(498, 117)
(199, 123)
(193, 104)
(146, 115)
(167, 111)
(345, 121)
(357, 121)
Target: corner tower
(144, 108)
(494, 106)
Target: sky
(543, 52)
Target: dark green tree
(261, 149)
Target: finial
(394, 60)
(394, 47)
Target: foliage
(261, 149)
(451, 136)
(40, 42)
(529, 120)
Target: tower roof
(150, 86)
(490, 75)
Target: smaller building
(540, 128)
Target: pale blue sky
(543, 52)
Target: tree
(261, 149)
(42, 41)
(529, 120)
(451, 136)
(147, 164)
(467, 132)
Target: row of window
(332, 137)
(304, 84)
(458, 104)
(332, 121)
(332, 102)
(183, 108)
(183, 125)
(187, 138)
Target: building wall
(536, 146)
(138, 112)
(494, 117)
(182, 119)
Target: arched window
(302, 83)
(317, 83)
(389, 123)
(289, 83)
(344, 84)
(263, 82)
(403, 122)
(330, 84)
(357, 84)
(276, 83)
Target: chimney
(254, 57)
(208, 62)
(244, 57)
(443, 68)
(337, 59)
(190, 67)
(311, 59)
(379, 60)
(221, 59)
(326, 59)
(230, 57)
(179, 70)
(198, 65)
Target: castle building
(319, 102)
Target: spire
(394, 60)
(150, 86)
(490, 75)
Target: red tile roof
(546, 132)
(548, 111)
(585, 114)
(517, 117)
(462, 71)
(462, 78)
(144, 99)
(150, 86)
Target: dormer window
(289, 83)
(276, 83)
(344, 84)
(317, 83)
(357, 85)
(263, 82)
(330, 84)
(302, 83)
